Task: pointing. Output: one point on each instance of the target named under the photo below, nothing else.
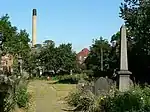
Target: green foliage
(22, 97)
(74, 98)
(81, 100)
(136, 14)
(17, 95)
(135, 100)
(21, 94)
(49, 42)
(31, 62)
(100, 48)
(13, 42)
(60, 58)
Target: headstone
(124, 74)
(102, 86)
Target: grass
(64, 87)
(48, 96)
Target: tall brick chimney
(34, 14)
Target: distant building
(82, 55)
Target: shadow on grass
(53, 82)
(67, 81)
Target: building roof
(83, 53)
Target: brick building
(82, 55)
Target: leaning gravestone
(102, 86)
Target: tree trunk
(102, 59)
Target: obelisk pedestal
(124, 80)
(124, 74)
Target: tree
(38, 46)
(49, 42)
(57, 58)
(136, 14)
(13, 42)
(114, 55)
(94, 59)
(48, 58)
(67, 57)
(31, 63)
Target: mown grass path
(48, 97)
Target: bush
(74, 98)
(21, 94)
(135, 100)
(80, 100)
(22, 97)
(124, 102)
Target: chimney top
(34, 12)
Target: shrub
(135, 100)
(17, 95)
(22, 97)
(80, 100)
(74, 98)
(21, 94)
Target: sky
(66, 21)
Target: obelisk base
(124, 80)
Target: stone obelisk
(34, 15)
(124, 74)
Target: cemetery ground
(47, 96)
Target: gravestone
(102, 86)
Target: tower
(34, 15)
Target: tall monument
(124, 74)
(34, 15)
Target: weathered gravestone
(102, 86)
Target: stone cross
(124, 74)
